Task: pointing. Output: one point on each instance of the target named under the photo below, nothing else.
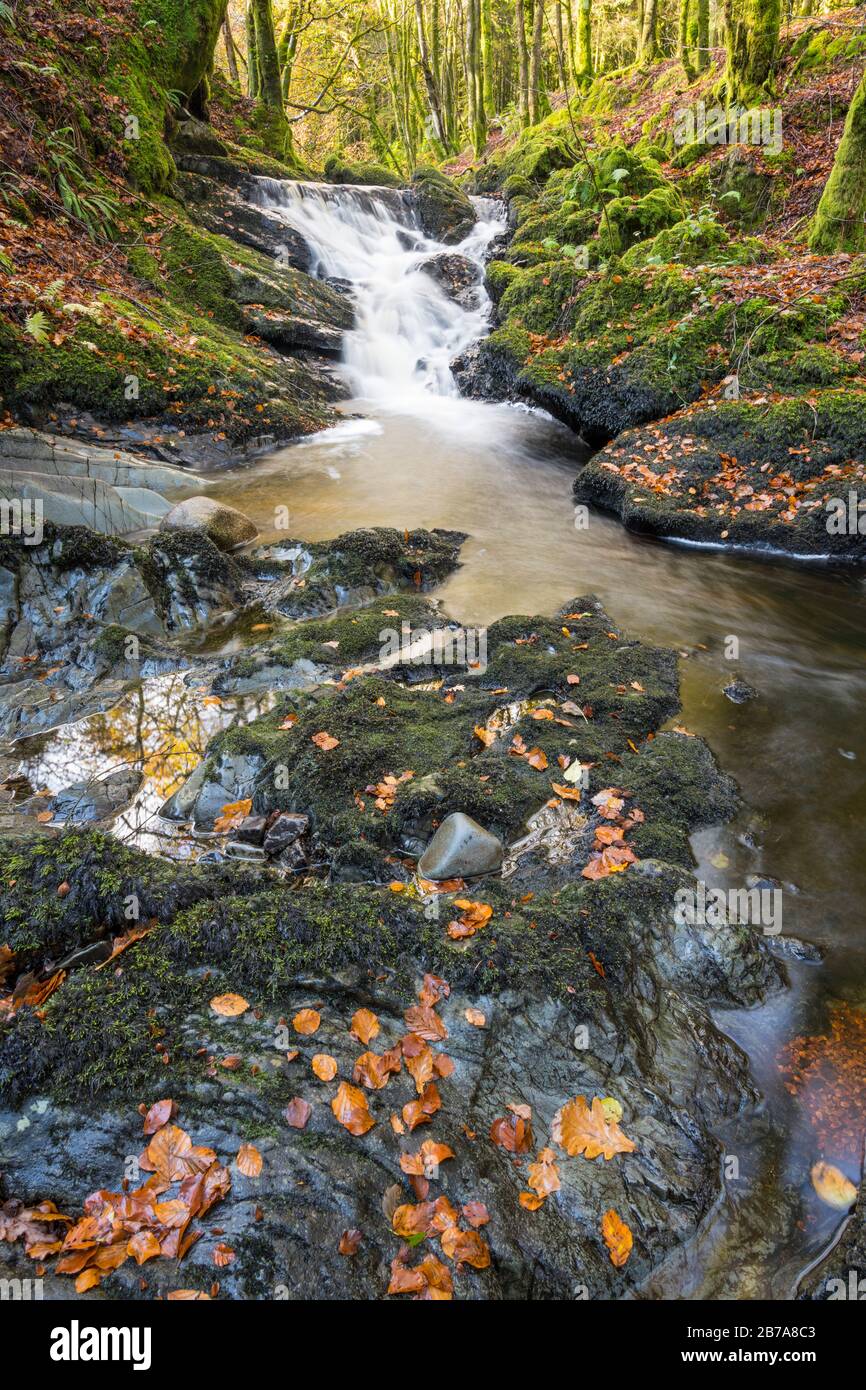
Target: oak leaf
(581, 1129)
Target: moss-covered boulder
(338, 170)
(783, 476)
(443, 210)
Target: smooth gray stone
(224, 525)
(461, 848)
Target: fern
(36, 324)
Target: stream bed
(411, 453)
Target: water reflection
(161, 730)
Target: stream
(412, 453)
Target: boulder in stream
(225, 526)
(456, 276)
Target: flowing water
(412, 453)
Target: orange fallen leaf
(617, 1237)
(306, 1021)
(324, 741)
(475, 1017)
(249, 1161)
(232, 814)
(349, 1242)
(581, 1129)
(365, 1025)
(351, 1109)
(229, 1005)
(324, 1066)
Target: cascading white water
(407, 329)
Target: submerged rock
(739, 692)
(225, 526)
(461, 848)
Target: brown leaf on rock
(465, 1247)
(350, 1240)
(430, 1280)
(581, 1129)
(143, 1246)
(249, 1161)
(297, 1113)
(306, 1021)
(514, 1132)
(475, 1017)
(324, 1066)
(172, 1155)
(475, 1213)
(229, 1005)
(617, 1237)
(543, 1175)
(374, 1070)
(419, 1112)
(423, 1020)
(365, 1026)
(159, 1115)
(232, 814)
(351, 1109)
(426, 1160)
(433, 988)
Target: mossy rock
(339, 170)
(443, 210)
(629, 220)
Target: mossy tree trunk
(475, 77)
(648, 45)
(231, 55)
(584, 65)
(522, 61)
(840, 221)
(538, 105)
(269, 85)
(252, 53)
(699, 34)
(752, 43)
(685, 38)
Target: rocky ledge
(545, 1027)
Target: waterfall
(407, 328)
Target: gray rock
(738, 692)
(286, 829)
(461, 848)
(197, 138)
(224, 525)
(456, 276)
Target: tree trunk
(700, 34)
(584, 39)
(431, 85)
(648, 47)
(840, 221)
(753, 40)
(522, 62)
(252, 53)
(231, 56)
(537, 95)
(685, 38)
